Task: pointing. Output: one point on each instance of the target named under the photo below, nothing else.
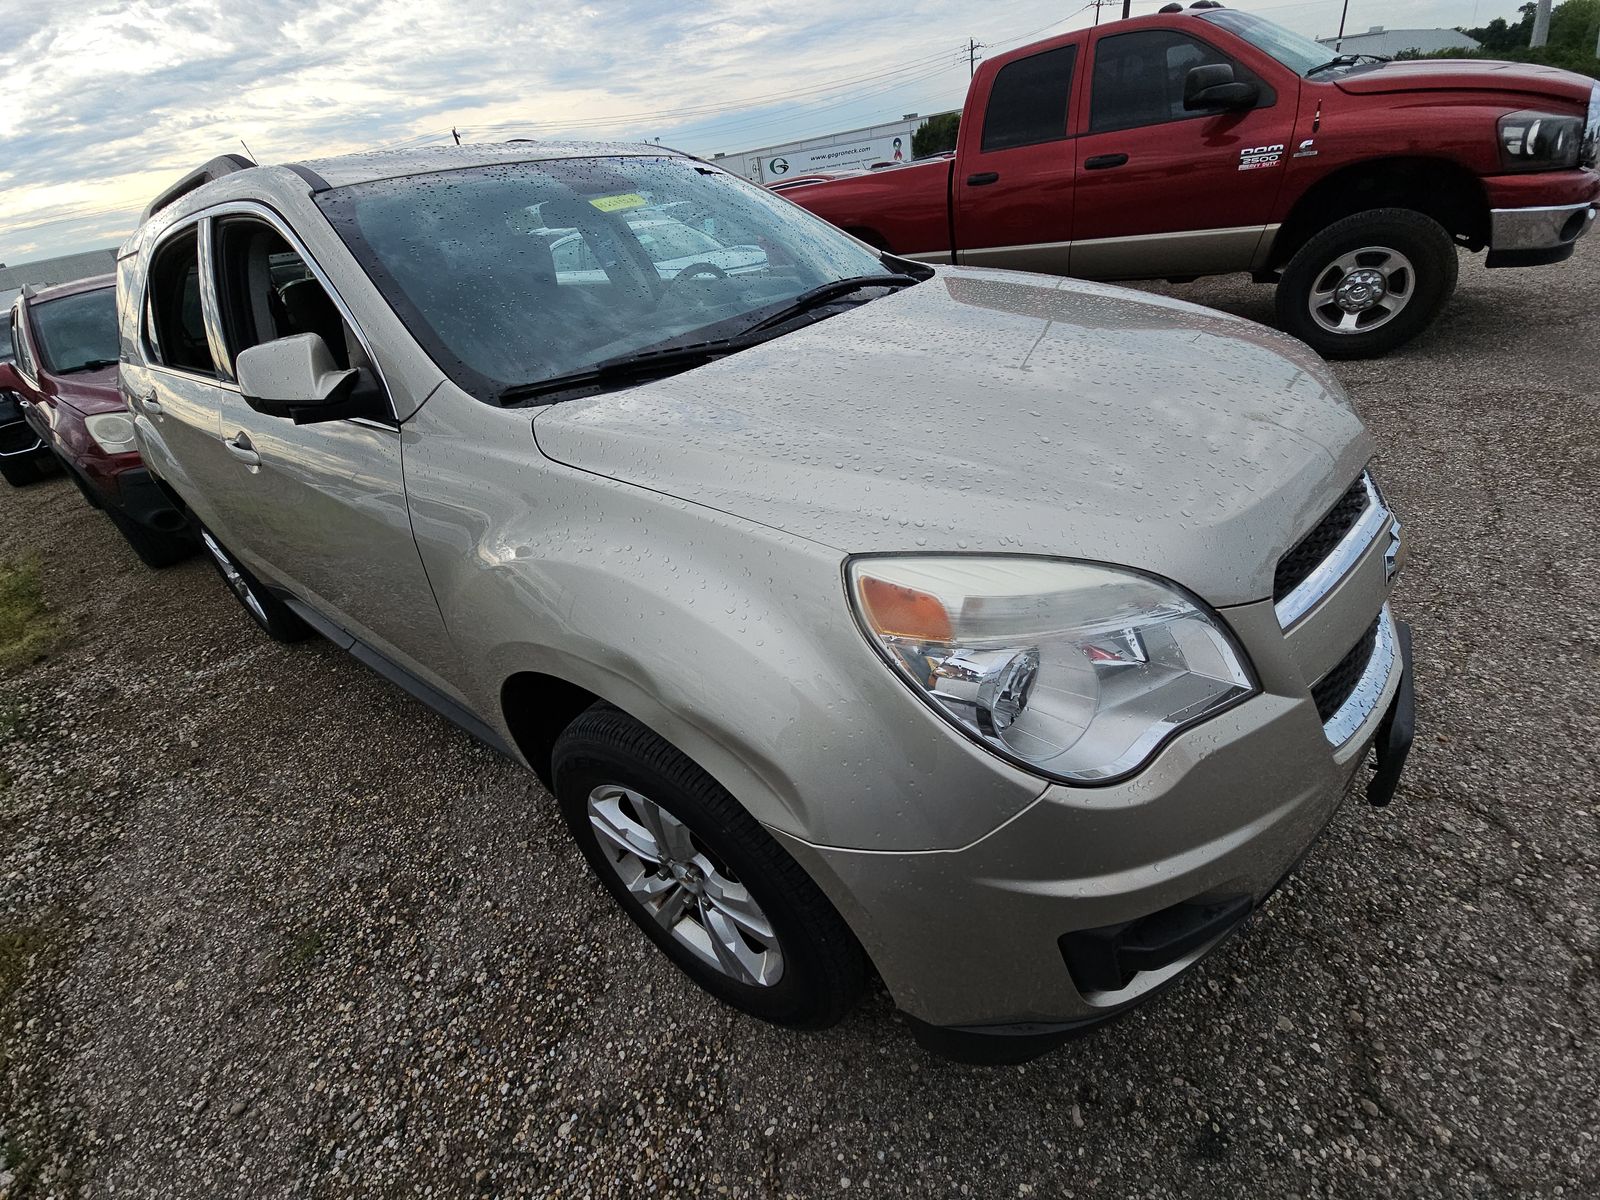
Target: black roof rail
(223, 164)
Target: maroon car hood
(91, 392)
(1468, 74)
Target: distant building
(852, 150)
(45, 271)
(1390, 42)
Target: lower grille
(1333, 689)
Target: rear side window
(1139, 78)
(1028, 103)
(175, 322)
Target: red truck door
(1012, 190)
(1205, 184)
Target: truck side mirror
(1212, 87)
(295, 377)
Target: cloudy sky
(107, 102)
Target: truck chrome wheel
(233, 577)
(688, 892)
(1362, 290)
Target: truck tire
(266, 610)
(1368, 283)
(711, 888)
(155, 547)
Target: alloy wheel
(234, 577)
(688, 891)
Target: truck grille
(1310, 551)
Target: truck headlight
(1076, 671)
(112, 432)
(1534, 141)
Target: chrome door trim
(260, 211)
(1159, 255)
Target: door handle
(1101, 162)
(983, 177)
(148, 402)
(241, 449)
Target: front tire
(709, 886)
(266, 610)
(1368, 284)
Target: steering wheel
(692, 270)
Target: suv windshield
(1295, 51)
(77, 333)
(512, 274)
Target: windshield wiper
(1346, 60)
(823, 293)
(667, 360)
(630, 368)
(93, 364)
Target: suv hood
(990, 411)
(90, 392)
(1468, 74)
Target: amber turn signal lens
(898, 611)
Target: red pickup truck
(1203, 141)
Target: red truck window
(1028, 103)
(1138, 78)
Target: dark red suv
(64, 375)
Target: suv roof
(370, 165)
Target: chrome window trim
(260, 211)
(1339, 562)
(1363, 699)
(149, 351)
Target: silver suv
(1009, 635)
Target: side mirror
(295, 377)
(1213, 87)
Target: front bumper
(1538, 217)
(981, 946)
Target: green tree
(938, 134)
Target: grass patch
(27, 629)
(307, 945)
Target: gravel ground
(269, 928)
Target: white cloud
(108, 102)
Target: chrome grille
(1347, 695)
(1321, 558)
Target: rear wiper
(94, 364)
(824, 292)
(1346, 60)
(627, 368)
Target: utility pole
(1127, 9)
(455, 135)
(1338, 42)
(972, 58)
(1541, 24)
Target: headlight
(1532, 141)
(1590, 154)
(1076, 671)
(112, 432)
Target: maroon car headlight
(1535, 141)
(1076, 671)
(112, 432)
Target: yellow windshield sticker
(614, 203)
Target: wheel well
(1448, 193)
(537, 709)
